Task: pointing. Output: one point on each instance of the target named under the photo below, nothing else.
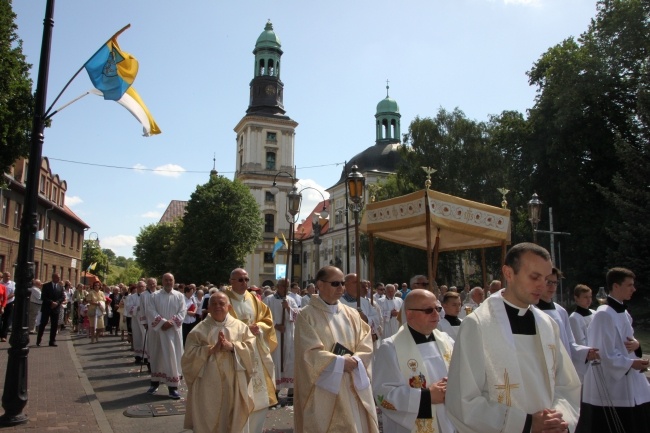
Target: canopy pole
(483, 267)
(371, 268)
(436, 254)
(431, 272)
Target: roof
(380, 157)
(387, 105)
(174, 211)
(268, 38)
(305, 230)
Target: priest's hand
(255, 329)
(167, 325)
(394, 313)
(350, 364)
(438, 391)
(592, 354)
(285, 304)
(631, 344)
(548, 421)
(640, 364)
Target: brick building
(59, 244)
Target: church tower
(265, 153)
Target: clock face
(270, 90)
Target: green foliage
(154, 248)
(16, 99)
(94, 254)
(222, 224)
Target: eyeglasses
(551, 283)
(427, 310)
(241, 280)
(334, 283)
(421, 284)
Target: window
(18, 213)
(78, 241)
(36, 269)
(71, 239)
(271, 136)
(4, 218)
(45, 270)
(62, 199)
(48, 224)
(65, 236)
(269, 223)
(56, 233)
(269, 197)
(270, 160)
(338, 217)
(55, 193)
(42, 184)
(2, 263)
(268, 257)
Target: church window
(261, 67)
(270, 160)
(271, 136)
(384, 129)
(269, 197)
(269, 223)
(271, 68)
(268, 257)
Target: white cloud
(139, 167)
(122, 245)
(151, 214)
(162, 205)
(73, 200)
(310, 197)
(169, 170)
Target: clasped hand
(223, 345)
(438, 391)
(548, 421)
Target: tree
(222, 224)
(16, 99)
(154, 248)
(93, 254)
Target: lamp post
(293, 207)
(355, 184)
(534, 213)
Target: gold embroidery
(424, 425)
(385, 403)
(505, 389)
(553, 350)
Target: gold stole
(415, 372)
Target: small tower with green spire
(388, 118)
(266, 87)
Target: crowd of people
(426, 358)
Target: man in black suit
(52, 297)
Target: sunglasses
(421, 284)
(427, 310)
(241, 280)
(334, 283)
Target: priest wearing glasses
(410, 380)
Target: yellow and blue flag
(111, 70)
(286, 245)
(131, 101)
(276, 246)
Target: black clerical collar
(618, 306)
(420, 338)
(543, 305)
(453, 320)
(349, 298)
(524, 324)
(583, 311)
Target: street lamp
(534, 213)
(355, 184)
(293, 207)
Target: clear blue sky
(196, 63)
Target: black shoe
(54, 345)
(152, 389)
(174, 395)
(38, 342)
(138, 360)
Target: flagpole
(49, 116)
(14, 397)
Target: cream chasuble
(402, 370)
(492, 386)
(325, 398)
(252, 310)
(218, 399)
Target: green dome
(387, 105)
(268, 38)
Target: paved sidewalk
(83, 387)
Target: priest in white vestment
(311, 290)
(368, 313)
(165, 316)
(390, 307)
(616, 390)
(473, 299)
(509, 371)
(218, 366)
(450, 323)
(583, 315)
(253, 312)
(283, 310)
(580, 355)
(332, 366)
(410, 372)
